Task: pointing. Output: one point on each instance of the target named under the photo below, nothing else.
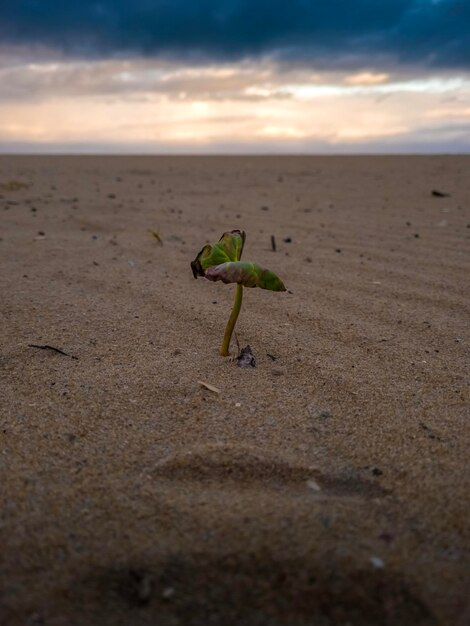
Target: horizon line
(233, 154)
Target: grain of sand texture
(328, 485)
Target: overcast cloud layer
(339, 33)
(235, 75)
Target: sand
(328, 485)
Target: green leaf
(229, 248)
(246, 274)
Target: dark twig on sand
(273, 243)
(47, 347)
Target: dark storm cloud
(334, 33)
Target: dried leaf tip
(228, 248)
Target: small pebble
(168, 593)
(313, 485)
(318, 413)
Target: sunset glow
(54, 98)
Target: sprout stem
(224, 350)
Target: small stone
(377, 562)
(246, 358)
(313, 485)
(278, 372)
(168, 593)
(317, 413)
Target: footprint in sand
(250, 466)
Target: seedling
(221, 261)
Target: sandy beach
(329, 485)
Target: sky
(235, 76)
